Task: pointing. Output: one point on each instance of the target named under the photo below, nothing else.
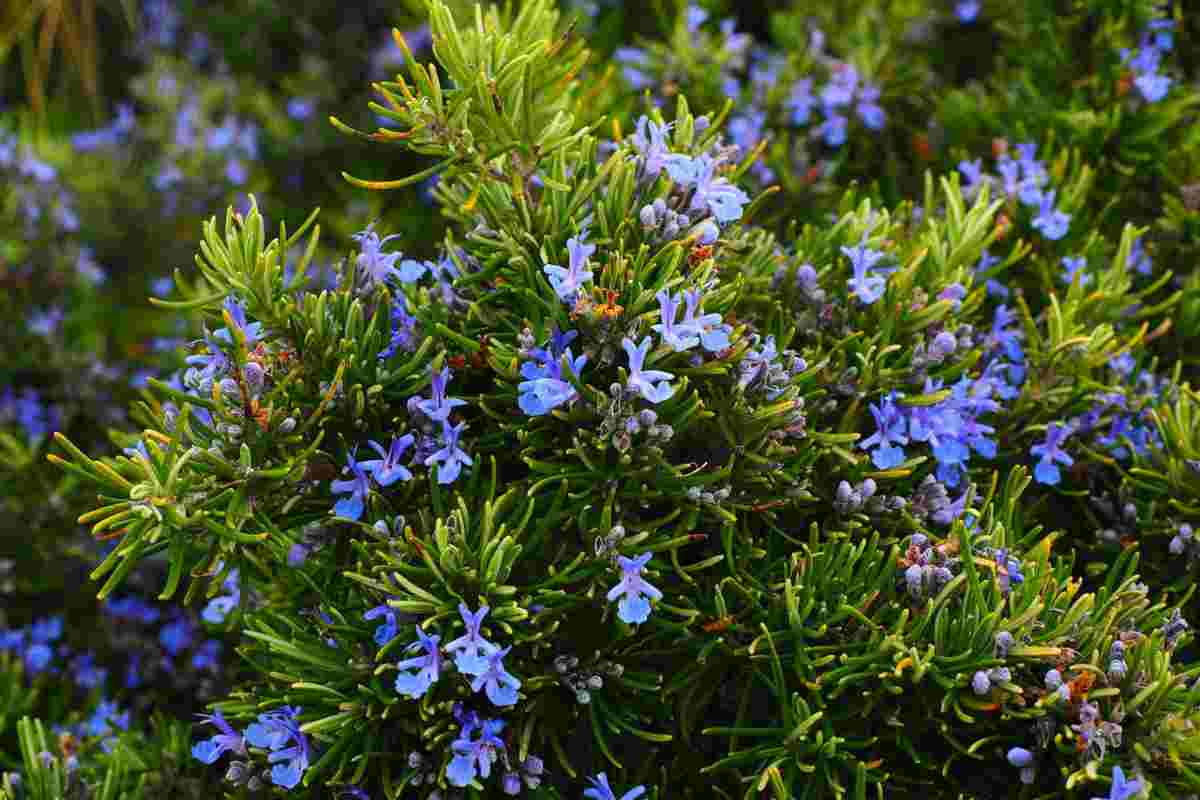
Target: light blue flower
(651, 384)
(634, 592)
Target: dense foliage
(665, 404)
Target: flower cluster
(1146, 59)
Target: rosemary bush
(803, 412)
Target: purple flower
(501, 685)
(375, 266)
(388, 630)
(358, 487)
(600, 790)
(475, 649)
(1020, 757)
(890, 432)
(1051, 222)
(867, 288)
(651, 384)
(439, 407)
(634, 591)
(567, 282)
(209, 750)
(1050, 452)
(387, 469)
(427, 666)
(475, 757)
(450, 458)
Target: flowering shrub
(676, 462)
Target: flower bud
(1020, 757)
(649, 217)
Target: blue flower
(1153, 87)
(1122, 789)
(175, 637)
(438, 408)
(427, 666)
(966, 10)
(890, 432)
(388, 630)
(1075, 266)
(219, 607)
(633, 60)
(1138, 259)
(1020, 757)
(274, 730)
(1051, 222)
(869, 110)
(450, 458)
(207, 655)
(475, 757)
(500, 684)
(567, 282)
(973, 175)
(650, 140)
(475, 649)
(300, 108)
(833, 129)
(358, 487)
(46, 630)
(651, 384)
(404, 329)
(714, 335)
(634, 591)
(546, 390)
(801, 101)
(387, 469)
(680, 338)
(600, 790)
(716, 194)
(87, 674)
(1050, 452)
(209, 750)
